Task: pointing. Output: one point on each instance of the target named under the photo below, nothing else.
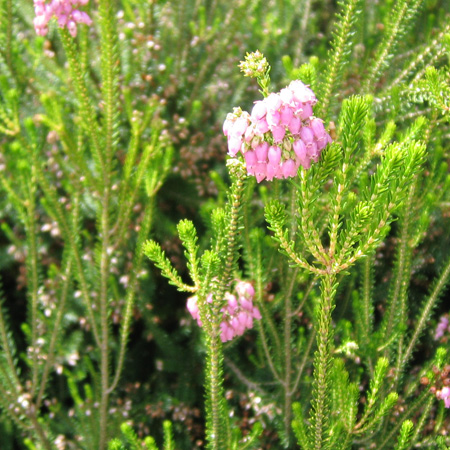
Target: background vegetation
(113, 137)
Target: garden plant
(224, 224)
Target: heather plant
(310, 261)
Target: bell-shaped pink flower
(295, 125)
(274, 154)
(261, 151)
(288, 168)
(260, 171)
(250, 161)
(278, 133)
(286, 114)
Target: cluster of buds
(442, 328)
(65, 13)
(237, 314)
(280, 135)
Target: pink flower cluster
(64, 12)
(280, 135)
(237, 314)
(442, 328)
(444, 394)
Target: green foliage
(112, 150)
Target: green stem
(131, 293)
(216, 401)
(33, 279)
(109, 76)
(322, 363)
(287, 354)
(55, 332)
(104, 323)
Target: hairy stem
(320, 403)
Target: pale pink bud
(72, 27)
(244, 288)
(273, 102)
(239, 126)
(246, 303)
(261, 126)
(192, 306)
(234, 145)
(259, 110)
(273, 118)
(286, 96)
(228, 124)
(249, 134)
(232, 300)
(39, 10)
(302, 93)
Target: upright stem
(216, 401)
(104, 275)
(323, 361)
(216, 388)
